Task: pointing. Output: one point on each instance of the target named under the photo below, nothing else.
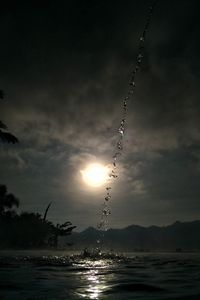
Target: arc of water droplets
(105, 211)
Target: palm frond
(8, 137)
(46, 211)
(65, 224)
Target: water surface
(60, 275)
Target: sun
(95, 175)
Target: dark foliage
(1, 94)
(27, 230)
(61, 230)
(8, 137)
(7, 201)
(5, 136)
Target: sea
(48, 275)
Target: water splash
(106, 211)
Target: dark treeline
(27, 230)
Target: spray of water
(106, 211)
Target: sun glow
(95, 175)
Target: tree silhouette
(7, 201)
(31, 231)
(61, 230)
(27, 230)
(6, 136)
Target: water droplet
(139, 58)
(99, 225)
(142, 39)
(113, 175)
(106, 211)
(121, 130)
(132, 84)
(108, 188)
(119, 145)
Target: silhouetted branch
(46, 211)
(65, 225)
(69, 230)
(8, 137)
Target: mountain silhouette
(175, 237)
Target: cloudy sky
(65, 68)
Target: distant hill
(178, 236)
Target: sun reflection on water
(95, 278)
(95, 286)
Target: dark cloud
(65, 69)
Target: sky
(65, 68)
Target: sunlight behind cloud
(95, 175)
